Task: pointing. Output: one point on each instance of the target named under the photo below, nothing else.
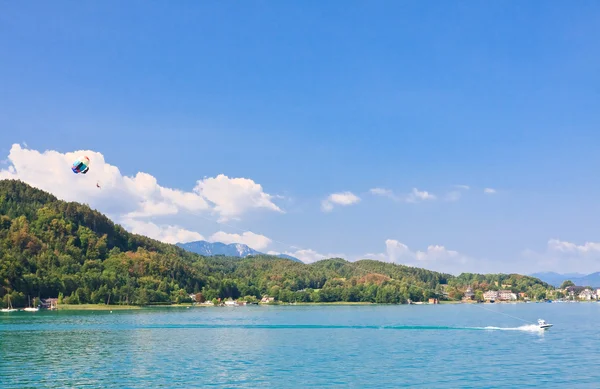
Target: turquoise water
(428, 346)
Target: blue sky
(307, 99)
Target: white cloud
(572, 248)
(565, 257)
(344, 199)
(255, 241)
(416, 196)
(167, 234)
(413, 197)
(489, 191)
(382, 192)
(307, 255)
(465, 187)
(233, 197)
(132, 200)
(435, 257)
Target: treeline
(516, 283)
(52, 248)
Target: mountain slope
(556, 279)
(217, 248)
(53, 248)
(205, 248)
(592, 280)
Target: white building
(490, 295)
(587, 294)
(506, 295)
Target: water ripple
(301, 347)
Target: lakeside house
(499, 295)
(574, 290)
(469, 295)
(490, 295)
(587, 294)
(433, 301)
(506, 295)
(50, 303)
(266, 299)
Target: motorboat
(543, 325)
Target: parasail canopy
(81, 165)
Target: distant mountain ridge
(240, 250)
(556, 279)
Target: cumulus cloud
(435, 257)
(563, 256)
(489, 191)
(255, 241)
(344, 199)
(234, 196)
(133, 200)
(167, 234)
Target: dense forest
(53, 248)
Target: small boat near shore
(30, 308)
(543, 325)
(10, 307)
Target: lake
(372, 346)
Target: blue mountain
(556, 279)
(208, 249)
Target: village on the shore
(571, 293)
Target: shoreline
(104, 307)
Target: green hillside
(52, 248)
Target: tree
(566, 284)
(479, 296)
(52, 248)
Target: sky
(459, 137)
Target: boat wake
(70, 327)
(526, 328)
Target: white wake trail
(527, 328)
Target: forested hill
(52, 248)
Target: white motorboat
(543, 325)
(30, 308)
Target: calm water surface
(435, 346)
